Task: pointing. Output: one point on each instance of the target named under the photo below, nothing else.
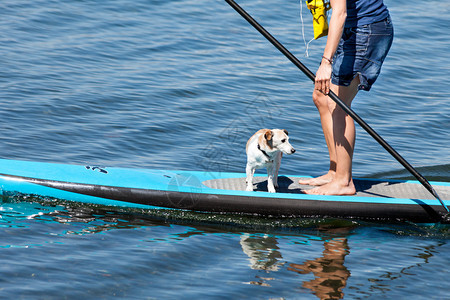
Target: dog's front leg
(270, 175)
(250, 171)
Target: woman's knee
(320, 100)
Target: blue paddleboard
(220, 192)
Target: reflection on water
(329, 270)
(314, 260)
(330, 273)
(262, 251)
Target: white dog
(264, 150)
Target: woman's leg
(343, 140)
(321, 102)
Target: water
(182, 85)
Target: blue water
(182, 85)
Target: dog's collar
(264, 152)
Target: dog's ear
(285, 131)
(268, 135)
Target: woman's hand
(323, 77)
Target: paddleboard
(220, 192)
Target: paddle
(336, 99)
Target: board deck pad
(364, 187)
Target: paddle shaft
(339, 102)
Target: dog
(264, 150)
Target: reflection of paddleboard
(220, 192)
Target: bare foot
(317, 181)
(333, 188)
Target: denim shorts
(361, 51)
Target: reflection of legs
(330, 273)
(339, 131)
